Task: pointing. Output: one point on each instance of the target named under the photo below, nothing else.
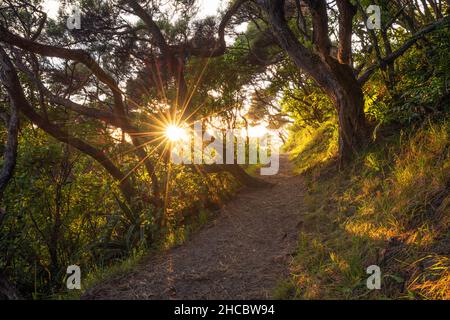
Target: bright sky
(207, 7)
(51, 8)
(210, 7)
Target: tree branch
(346, 13)
(10, 153)
(399, 52)
(10, 80)
(320, 26)
(158, 37)
(302, 57)
(76, 107)
(86, 59)
(68, 54)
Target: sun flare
(254, 131)
(175, 133)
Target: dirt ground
(242, 254)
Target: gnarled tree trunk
(333, 75)
(348, 99)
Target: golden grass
(391, 208)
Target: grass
(389, 208)
(312, 147)
(103, 273)
(173, 237)
(252, 169)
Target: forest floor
(242, 254)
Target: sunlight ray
(142, 161)
(194, 88)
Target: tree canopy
(86, 172)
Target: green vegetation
(390, 208)
(132, 260)
(91, 114)
(68, 213)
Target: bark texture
(335, 76)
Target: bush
(390, 209)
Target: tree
(148, 47)
(334, 73)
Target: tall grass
(390, 208)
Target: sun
(175, 133)
(254, 131)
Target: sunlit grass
(307, 148)
(434, 282)
(390, 208)
(367, 229)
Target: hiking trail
(242, 254)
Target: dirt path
(242, 254)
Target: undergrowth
(389, 208)
(175, 235)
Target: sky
(210, 7)
(207, 7)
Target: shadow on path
(242, 254)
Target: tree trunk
(337, 79)
(348, 99)
(10, 80)
(352, 126)
(10, 153)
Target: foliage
(307, 148)
(422, 84)
(62, 209)
(390, 209)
